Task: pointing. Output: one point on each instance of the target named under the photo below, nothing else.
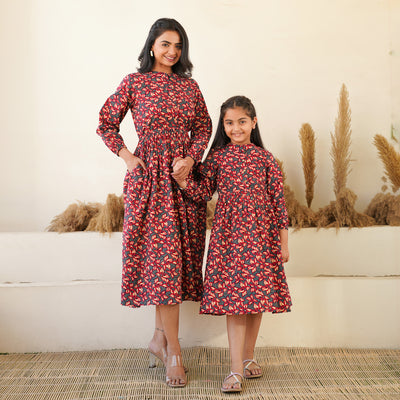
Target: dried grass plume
(299, 216)
(307, 138)
(341, 212)
(341, 140)
(390, 159)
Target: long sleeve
(201, 128)
(111, 115)
(204, 183)
(275, 192)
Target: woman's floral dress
(164, 233)
(244, 273)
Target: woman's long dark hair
(184, 66)
(221, 139)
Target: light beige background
(61, 60)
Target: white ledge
(61, 292)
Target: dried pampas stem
(341, 212)
(299, 216)
(390, 159)
(307, 138)
(341, 140)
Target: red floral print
(164, 233)
(244, 273)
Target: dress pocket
(134, 181)
(138, 170)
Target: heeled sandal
(153, 357)
(246, 368)
(176, 361)
(238, 382)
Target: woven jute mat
(289, 373)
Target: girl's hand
(181, 168)
(283, 233)
(182, 184)
(131, 161)
(285, 253)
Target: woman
(163, 236)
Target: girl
(163, 237)
(249, 239)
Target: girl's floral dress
(244, 273)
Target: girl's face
(167, 49)
(238, 125)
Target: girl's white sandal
(246, 368)
(238, 383)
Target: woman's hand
(181, 168)
(131, 161)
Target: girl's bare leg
(253, 322)
(236, 328)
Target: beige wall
(61, 59)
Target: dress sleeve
(202, 185)
(111, 115)
(275, 192)
(201, 128)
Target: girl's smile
(167, 49)
(238, 125)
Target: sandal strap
(249, 362)
(176, 361)
(233, 374)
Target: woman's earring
(151, 53)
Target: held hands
(181, 168)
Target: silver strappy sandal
(238, 383)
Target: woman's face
(238, 125)
(167, 49)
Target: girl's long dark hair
(221, 139)
(184, 66)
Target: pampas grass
(76, 217)
(341, 140)
(299, 216)
(341, 212)
(210, 212)
(103, 218)
(390, 159)
(307, 138)
(111, 216)
(385, 209)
